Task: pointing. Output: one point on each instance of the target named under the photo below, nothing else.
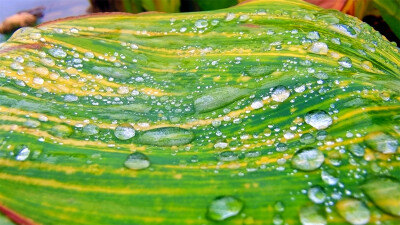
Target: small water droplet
(317, 194)
(330, 176)
(257, 104)
(307, 138)
(279, 206)
(308, 159)
(229, 17)
(224, 207)
(345, 62)
(137, 161)
(318, 119)
(353, 211)
(124, 132)
(344, 29)
(23, 153)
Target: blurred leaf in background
(390, 12)
(169, 6)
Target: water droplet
(243, 17)
(385, 193)
(280, 93)
(218, 98)
(229, 17)
(279, 206)
(321, 75)
(330, 176)
(308, 159)
(313, 35)
(381, 142)
(312, 215)
(89, 55)
(90, 129)
(356, 149)
(224, 207)
(22, 153)
(166, 136)
(307, 138)
(353, 211)
(317, 194)
(61, 130)
(344, 29)
(124, 132)
(281, 147)
(345, 62)
(319, 48)
(57, 53)
(201, 23)
(137, 161)
(318, 119)
(32, 123)
(227, 156)
(70, 98)
(257, 104)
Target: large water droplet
(356, 149)
(57, 53)
(90, 129)
(319, 48)
(218, 98)
(124, 132)
(224, 207)
(23, 153)
(61, 130)
(201, 23)
(312, 215)
(137, 161)
(318, 119)
(307, 138)
(313, 35)
(317, 194)
(344, 29)
(280, 93)
(381, 142)
(308, 159)
(353, 211)
(166, 136)
(227, 156)
(385, 193)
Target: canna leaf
(269, 112)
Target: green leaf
(206, 5)
(267, 112)
(170, 6)
(390, 11)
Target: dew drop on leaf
(307, 159)
(312, 215)
(353, 211)
(23, 153)
(137, 161)
(224, 207)
(318, 119)
(381, 142)
(317, 194)
(124, 132)
(385, 193)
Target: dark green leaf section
(238, 115)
